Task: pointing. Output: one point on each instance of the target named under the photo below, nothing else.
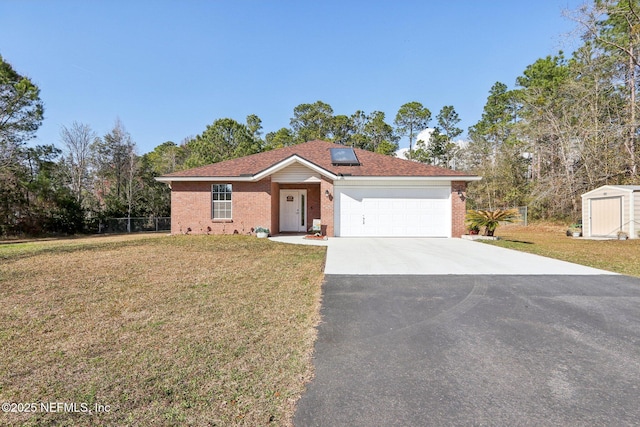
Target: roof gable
(316, 156)
(295, 173)
(292, 160)
(625, 188)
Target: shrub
(490, 219)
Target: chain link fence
(134, 225)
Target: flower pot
(262, 235)
(576, 234)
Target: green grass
(182, 330)
(620, 256)
(20, 248)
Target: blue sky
(168, 69)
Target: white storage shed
(610, 209)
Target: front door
(293, 210)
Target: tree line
(227, 139)
(72, 186)
(569, 125)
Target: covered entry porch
(294, 206)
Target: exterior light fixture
(326, 193)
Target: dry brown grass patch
(185, 330)
(620, 256)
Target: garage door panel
(350, 214)
(401, 212)
(414, 205)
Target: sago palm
(491, 219)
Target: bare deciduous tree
(77, 140)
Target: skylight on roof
(344, 157)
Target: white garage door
(394, 212)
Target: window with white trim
(221, 201)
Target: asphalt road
(423, 350)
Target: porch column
(458, 208)
(275, 208)
(326, 205)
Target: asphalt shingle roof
(317, 152)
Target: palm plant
(491, 219)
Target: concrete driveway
(451, 332)
(437, 256)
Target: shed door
(606, 216)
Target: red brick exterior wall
(258, 203)
(254, 204)
(326, 207)
(191, 208)
(458, 208)
(275, 208)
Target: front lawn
(620, 256)
(181, 330)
